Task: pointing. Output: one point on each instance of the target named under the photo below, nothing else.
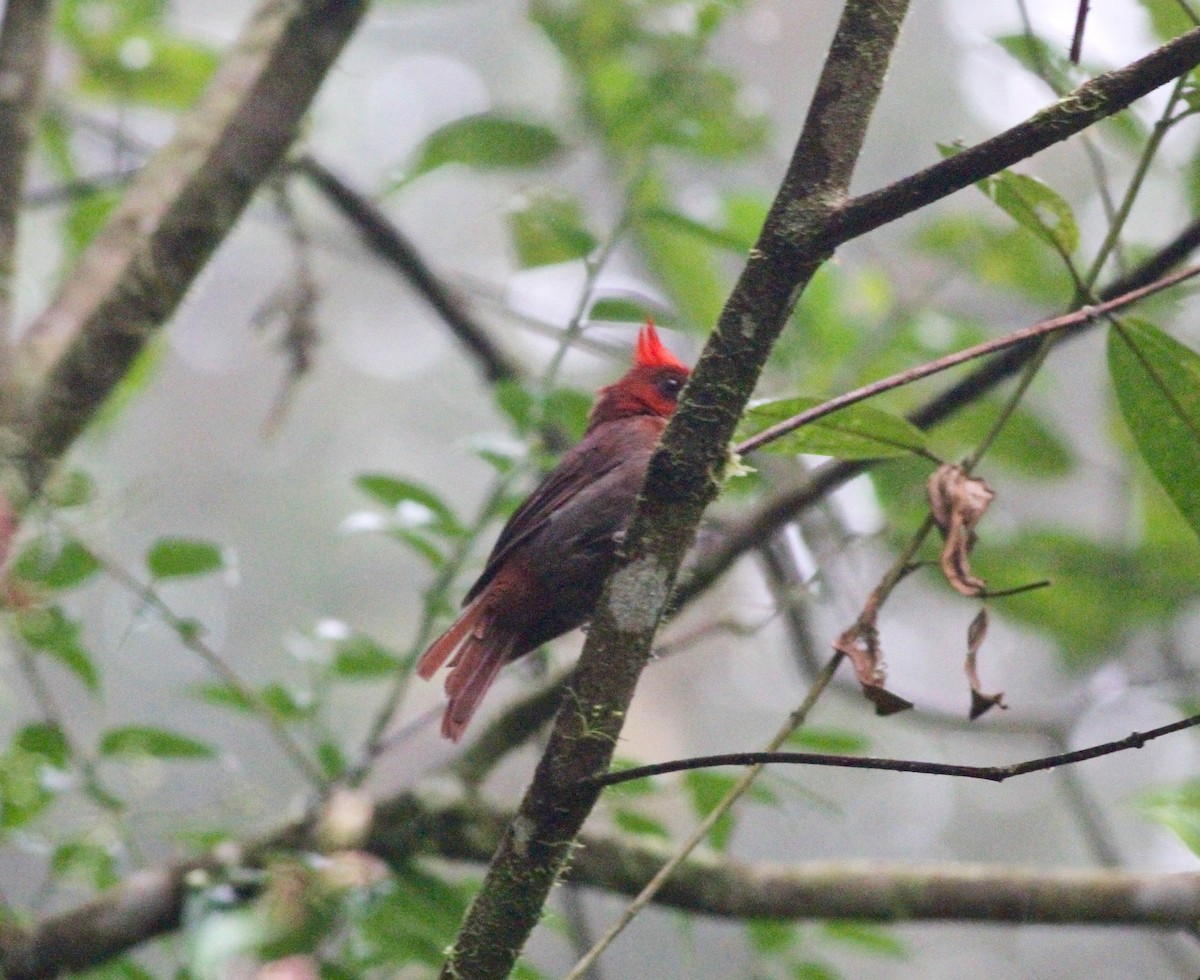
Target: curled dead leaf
(980, 702)
(860, 645)
(957, 502)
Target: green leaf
(620, 309)
(331, 759)
(393, 492)
(22, 792)
(46, 740)
(1177, 808)
(833, 741)
(70, 488)
(770, 937)
(55, 564)
(89, 862)
(490, 141)
(1034, 206)
(1007, 258)
(1098, 593)
(183, 557)
(716, 237)
(1028, 445)
(119, 969)
(50, 631)
(707, 789)
(549, 229)
(855, 432)
(516, 401)
(361, 658)
(867, 937)
(635, 787)
(222, 696)
(147, 740)
(1168, 18)
(633, 822)
(146, 66)
(1157, 380)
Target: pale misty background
(392, 391)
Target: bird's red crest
(650, 350)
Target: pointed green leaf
(393, 492)
(183, 557)
(706, 789)
(855, 432)
(56, 564)
(1157, 380)
(1036, 207)
(157, 742)
(491, 141)
(50, 631)
(1178, 808)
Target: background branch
(24, 34)
(176, 212)
(385, 241)
(150, 903)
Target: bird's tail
(476, 650)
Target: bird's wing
(580, 467)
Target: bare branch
(995, 774)
(385, 240)
(23, 39)
(176, 212)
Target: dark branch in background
(151, 903)
(180, 207)
(757, 528)
(681, 481)
(24, 33)
(386, 241)
(995, 774)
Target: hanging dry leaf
(860, 644)
(957, 502)
(980, 702)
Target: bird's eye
(669, 387)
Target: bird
(549, 564)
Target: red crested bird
(545, 573)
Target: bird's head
(650, 387)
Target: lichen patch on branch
(637, 595)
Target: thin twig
(1080, 317)
(1077, 37)
(995, 774)
(190, 637)
(795, 720)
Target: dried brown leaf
(860, 644)
(957, 502)
(981, 703)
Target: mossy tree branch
(683, 478)
(809, 218)
(151, 903)
(180, 207)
